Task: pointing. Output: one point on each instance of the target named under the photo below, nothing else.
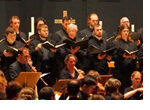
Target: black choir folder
(12, 49)
(23, 40)
(95, 50)
(28, 79)
(82, 43)
(49, 45)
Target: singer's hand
(39, 46)
(74, 50)
(7, 54)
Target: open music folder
(28, 79)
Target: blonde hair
(134, 73)
(27, 93)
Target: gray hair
(74, 26)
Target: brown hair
(13, 17)
(9, 30)
(112, 85)
(42, 26)
(134, 73)
(118, 37)
(94, 74)
(68, 56)
(66, 18)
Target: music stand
(60, 85)
(104, 78)
(28, 79)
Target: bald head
(92, 20)
(124, 20)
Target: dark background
(109, 11)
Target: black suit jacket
(15, 68)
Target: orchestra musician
(21, 65)
(135, 91)
(70, 71)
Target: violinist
(99, 88)
(135, 91)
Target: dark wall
(109, 11)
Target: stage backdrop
(109, 11)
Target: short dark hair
(39, 19)
(12, 89)
(66, 18)
(9, 30)
(20, 51)
(46, 93)
(88, 80)
(73, 87)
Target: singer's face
(11, 37)
(93, 20)
(125, 33)
(44, 32)
(15, 23)
(72, 32)
(98, 31)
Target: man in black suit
(21, 65)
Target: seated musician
(135, 91)
(99, 88)
(87, 86)
(112, 89)
(21, 65)
(70, 71)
